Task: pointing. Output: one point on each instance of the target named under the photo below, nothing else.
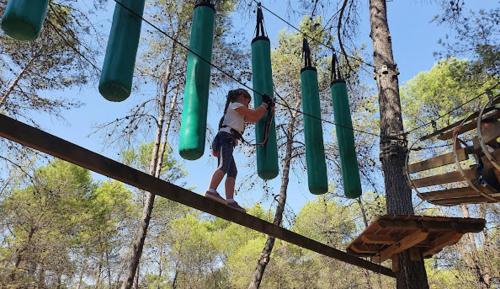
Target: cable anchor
(259, 28)
(335, 73)
(306, 53)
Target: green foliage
(434, 93)
(68, 225)
(51, 62)
(61, 217)
(242, 262)
(140, 158)
(429, 95)
(475, 36)
(326, 221)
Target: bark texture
(393, 148)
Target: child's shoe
(216, 197)
(233, 204)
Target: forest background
(64, 227)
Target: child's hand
(268, 100)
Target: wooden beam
(361, 248)
(465, 128)
(447, 133)
(42, 141)
(492, 133)
(404, 244)
(377, 239)
(395, 263)
(446, 178)
(460, 201)
(441, 242)
(438, 161)
(472, 124)
(465, 225)
(449, 194)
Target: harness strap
(267, 128)
(235, 133)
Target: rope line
(307, 35)
(432, 122)
(229, 75)
(369, 64)
(283, 103)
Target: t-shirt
(233, 119)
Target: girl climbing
(231, 127)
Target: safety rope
(306, 53)
(335, 73)
(259, 28)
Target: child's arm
(253, 115)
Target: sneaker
(234, 205)
(216, 197)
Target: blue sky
(414, 41)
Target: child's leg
(224, 161)
(231, 180)
(230, 183)
(217, 177)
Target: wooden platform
(390, 235)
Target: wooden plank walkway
(44, 142)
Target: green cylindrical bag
(267, 155)
(194, 114)
(117, 73)
(345, 138)
(23, 19)
(315, 151)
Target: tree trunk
(15, 81)
(160, 268)
(98, 278)
(80, 277)
(363, 212)
(136, 279)
(19, 253)
(411, 274)
(108, 269)
(471, 256)
(41, 278)
(365, 222)
(278, 216)
(174, 281)
(155, 170)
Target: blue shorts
(224, 144)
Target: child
(231, 127)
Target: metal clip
(384, 69)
